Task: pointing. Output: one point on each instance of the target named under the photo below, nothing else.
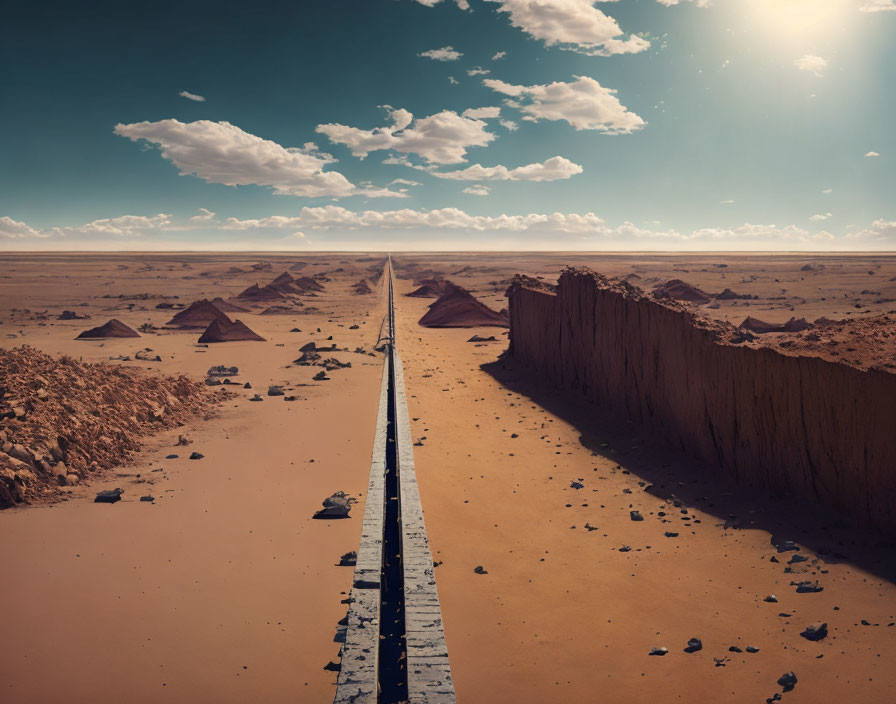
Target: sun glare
(794, 20)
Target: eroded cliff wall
(821, 430)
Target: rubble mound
(229, 331)
(432, 288)
(460, 309)
(760, 326)
(114, 328)
(63, 421)
(678, 290)
(198, 315)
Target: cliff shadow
(672, 475)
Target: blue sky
(449, 124)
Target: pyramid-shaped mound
(678, 290)
(459, 309)
(432, 288)
(306, 283)
(285, 283)
(760, 326)
(227, 306)
(362, 288)
(114, 328)
(198, 315)
(261, 293)
(236, 331)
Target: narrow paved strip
(394, 649)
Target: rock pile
(62, 421)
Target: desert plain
(569, 542)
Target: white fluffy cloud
(446, 53)
(871, 155)
(553, 169)
(442, 138)
(482, 113)
(219, 152)
(14, 229)
(813, 64)
(820, 217)
(571, 24)
(879, 6)
(191, 96)
(477, 190)
(477, 71)
(509, 125)
(499, 55)
(438, 228)
(585, 104)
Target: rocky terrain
(64, 421)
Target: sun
(802, 19)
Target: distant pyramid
(432, 288)
(228, 307)
(260, 293)
(459, 309)
(198, 315)
(236, 331)
(114, 328)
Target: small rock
(734, 649)
(752, 649)
(658, 651)
(275, 391)
(670, 534)
(816, 631)
(171, 457)
(787, 681)
(256, 397)
(336, 505)
(149, 497)
(807, 587)
(196, 455)
(110, 496)
(771, 599)
(350, 559)
(694, 644)
(479, 569)
(635, 515)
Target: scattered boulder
(787, 681)
(815, 632)
(349, 559)
(196, 455)
(694, 645)
(109, 496)
(337, 505)
(658, 651)
(479, 569)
